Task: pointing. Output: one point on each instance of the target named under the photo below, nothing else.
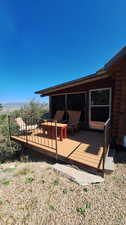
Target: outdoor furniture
(73, 122)
(50, 127)
(59, 116)
(22, 125)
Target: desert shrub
(2, 118)
(16, 113)
(8, 150)
(1, 106)
(14, 129)
(8, 147)
(34, 110)
(32, 113)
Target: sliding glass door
(99, 107)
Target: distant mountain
(14, 104)
(10, 106)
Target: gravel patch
(35, 194)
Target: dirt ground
(31, 193)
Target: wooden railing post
(56, 140)
(106, 140)
(104, 150)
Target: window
(99, 106)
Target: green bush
(33, 111)
(14, 129)
(1, 106)
(16, 113)
(8, 150)
(2, 118)
(8, 147)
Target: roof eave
(60, 85)
(90, 78)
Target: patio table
(50, 127)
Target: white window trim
(90, 105)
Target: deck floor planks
(86, 147)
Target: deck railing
(107, 140)
(31, 130)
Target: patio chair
(73, 122)
(22, 125)
(59, 116)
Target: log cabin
(101, 100)
(98, 96)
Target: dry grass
(23, 171)
(49, 198)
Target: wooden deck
(85, 147)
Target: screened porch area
(94, 106)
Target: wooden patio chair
(22, 125)
(59, 116)
(74, 117)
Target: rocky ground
(31, 193)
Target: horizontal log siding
(119, 106)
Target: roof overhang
(83, 80)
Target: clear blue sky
(46, 42)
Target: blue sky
(43, 43)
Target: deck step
(109, 162)
(79, 176)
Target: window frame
(92, 105)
